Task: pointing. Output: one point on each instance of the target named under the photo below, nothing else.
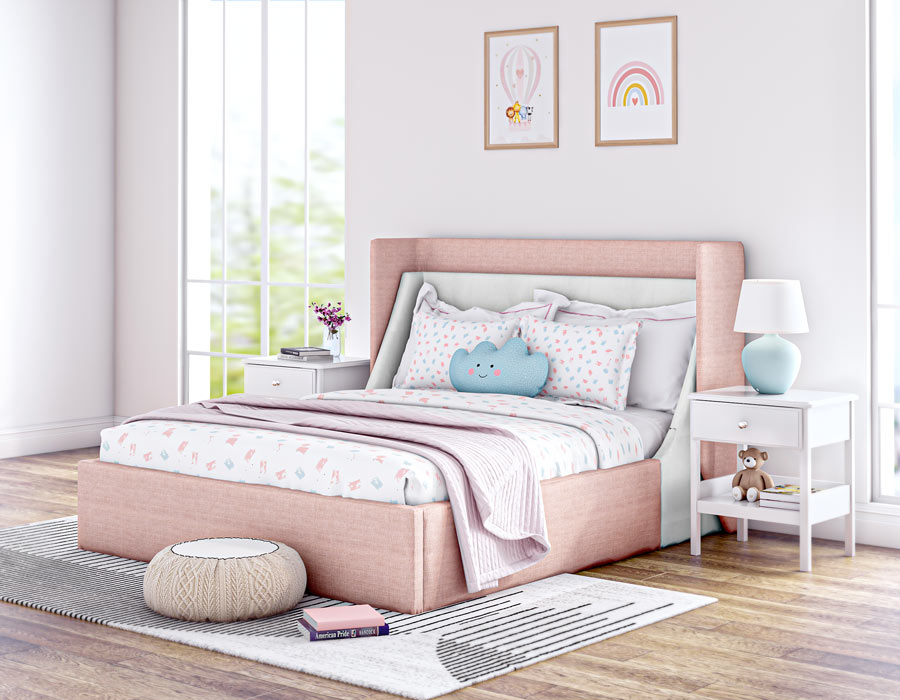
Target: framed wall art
(521, 88)
(636, 82)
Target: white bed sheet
(338, 467)
(652, 426)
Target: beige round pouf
(223, 579)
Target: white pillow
(590, 364)
(429, 305)
(663, 348)
(437, 338)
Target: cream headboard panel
(500, 291)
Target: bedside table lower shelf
(833, 501)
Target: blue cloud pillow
(509, 370)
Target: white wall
(89, 217)
(772, 151)
(56, 223)
(148, 113)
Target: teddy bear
(750, 480)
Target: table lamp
(771, 307)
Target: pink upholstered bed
(407, 558)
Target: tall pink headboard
(717, 267)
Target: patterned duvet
(338, 467)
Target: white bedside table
(797, 420)
(294, 379)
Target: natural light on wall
(264, 181)
(886, 250)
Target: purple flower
(330, 315)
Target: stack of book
(785, 496)
(304, 353)
(342, 622)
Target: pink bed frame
(406, 558)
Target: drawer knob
(276, 382)
(743, 424)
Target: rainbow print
(635, 84)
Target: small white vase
(333, 343)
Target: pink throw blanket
(491, 479)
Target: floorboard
(776, 633)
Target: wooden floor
(775, 633)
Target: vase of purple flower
(333, 317)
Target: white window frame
(885, 208)
(264, 282)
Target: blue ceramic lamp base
(771, 363)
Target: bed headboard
(717, 267)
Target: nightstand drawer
(292, 382)
(742, 423)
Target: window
(886, 251)
(264, 181)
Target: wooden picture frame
(645, 110)
(520, 109)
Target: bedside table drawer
(291, 382)
(740, 423)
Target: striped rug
(425, 656)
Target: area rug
(424, 656)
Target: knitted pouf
(224, 579)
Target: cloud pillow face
(509, 370)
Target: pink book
(343, 617)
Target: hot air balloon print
(520, 76)
(521, 107)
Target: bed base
(397, 557)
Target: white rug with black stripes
(425, 656)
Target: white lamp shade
(771, 306)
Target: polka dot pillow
(438, 338)
(591, 364)
(428, 304)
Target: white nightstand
(798, 420)
(273, 377)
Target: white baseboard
(875, 528)
(52, 437)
